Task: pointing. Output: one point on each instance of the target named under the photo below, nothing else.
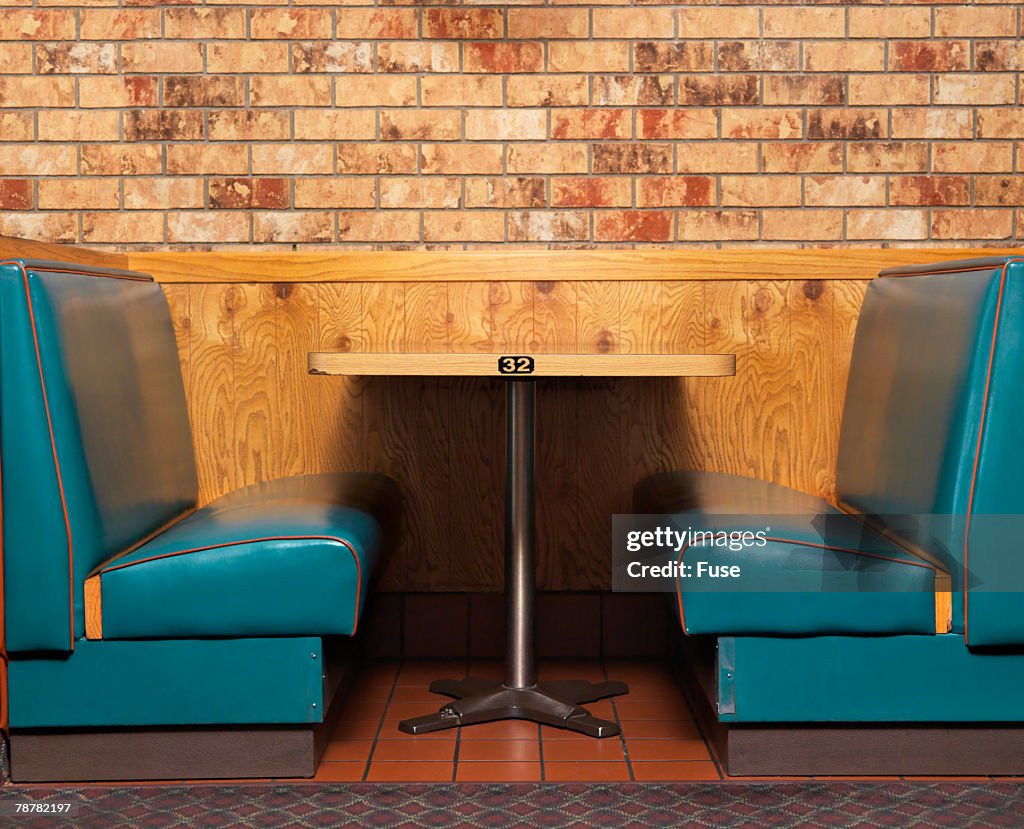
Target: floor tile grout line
(622, 737)
(540, 751)
(383, 719)
(693, 715)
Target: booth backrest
(96, 446)
(932, 427)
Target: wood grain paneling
(257, 414)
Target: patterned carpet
(492, 806)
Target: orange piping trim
(949, 270)
(981, 430)
(342, 541)
(49, 421)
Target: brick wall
(215, 122)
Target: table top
(522, 365)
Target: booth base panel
(843, 749)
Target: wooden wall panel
(257, 414)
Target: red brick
(420, 191)
(848, 124)
(293, 226)
(121, 91)
(119, 24)
(591, 123)
(79, 193)
(726, 90)
(420, 125)
(162, 193)
(999, 190)
(422, 57)
(37, 24)
(207, 159)
(239, 193)
(828, 90)
(71, 58)
(290, 24)
(547, 157)
(503, 57)
(548, 226)
(122, 159)
(370, 158)
(284, 90)
(218, 92)
(888, 223)
(973, 223)
(843, 56)
(15, 194)
(38, 159)
(1001, 123)
(925, 56)
(632, 158)
(675, 191)
(16, 58)
(464, 226)
(932, 122)
(25, 91)
(801, 224)
(762, 123)
(887, 157)
(718, 225)
(591, 191)
(163, 57)
(344, 192)
(780, 22)
(249, 125)
(757, 191)
(334, 125)
(547, 90)
(76, 125)
(976, 21)
(717, 157)
(634, 90)
(972, 157)
(758, 56)
(991, 88)
(379, 226)
(999, 56)
(390, 90)
(292, 159)
(337, 57)
(122, 228)
(441, 159)
(634, 22)
(684, 56)
(855, 191)
(197, 227)
(816, 157)
(548, 23)
(466, 24)
(871, 90)
(46, 227)
(204, 24)
(246, 57)
(677, 123)
(376, 23)
(633, 226)
(714, 23)
(588, 56)
(163, 125)
(896, 22)
(929, 190)
(506, 191)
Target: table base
(551, 703)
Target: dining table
(521, 694)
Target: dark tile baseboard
(472, 626)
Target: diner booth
(271, 515)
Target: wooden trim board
(13, 248)
(540, 265)
(522, 366)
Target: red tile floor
(659, 739)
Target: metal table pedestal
(520, 696)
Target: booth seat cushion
(820, 570)
(288, 557)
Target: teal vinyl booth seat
(124, 606)
(903, 603)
